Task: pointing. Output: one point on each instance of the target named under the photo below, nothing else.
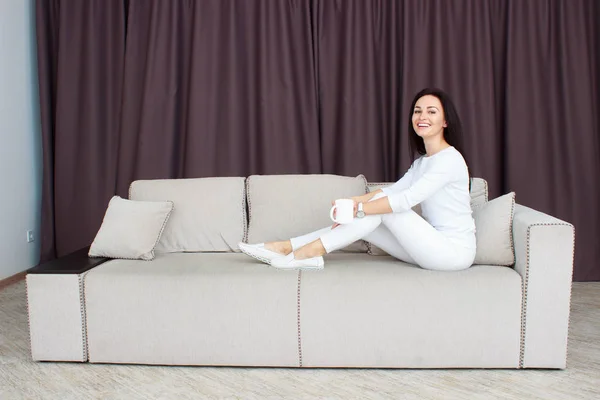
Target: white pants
(405, 236)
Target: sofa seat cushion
(360, 311)
(368, 311)
(192, 309)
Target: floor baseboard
(12, 279)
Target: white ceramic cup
(344, 211)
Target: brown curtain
(218, 88)
(551, 117)
(145, 89)
(80, 62)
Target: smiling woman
(428, 119)
(443, 239)
(435, 125)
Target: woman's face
(428, 117)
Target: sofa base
(361, 311)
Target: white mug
(344, 211)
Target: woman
(439, 180)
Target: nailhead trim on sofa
(512, 243)
(487, 196)
(87, 349)
(28, 319)
(525, 287)
(244, 217)
(299, 330)
(83, 315)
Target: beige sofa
(200, 302)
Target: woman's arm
(397, 187)
(379, 206)
(382, 206)
(438, 175)
(402, 184)
(366, 197)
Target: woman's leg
(287, 246)
(326, 240)
(301, 241)
(309, 255)
(386, 241)
(426, 246)
(344, 235)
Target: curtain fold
(454, 46)
(359, 53)
(214, 88)
(147, 89)
(552, 117)
(47, 50)
(80, 53)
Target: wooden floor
(20, 378)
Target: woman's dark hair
(453, 133)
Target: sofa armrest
(56, 309)
(544, 249)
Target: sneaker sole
(268, 262)
(256, 257)
(302, 268)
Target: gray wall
(20, 140)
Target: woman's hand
(335, 225)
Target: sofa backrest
(209, 214)
(285, 206)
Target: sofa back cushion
(209, 214)
(285, 206)
(479, 192)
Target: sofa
(194, 299)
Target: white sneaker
(289, 262)
(259, 252)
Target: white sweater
(440, 183)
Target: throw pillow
(493, 223)
(131, 229)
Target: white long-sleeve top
(440, 184)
